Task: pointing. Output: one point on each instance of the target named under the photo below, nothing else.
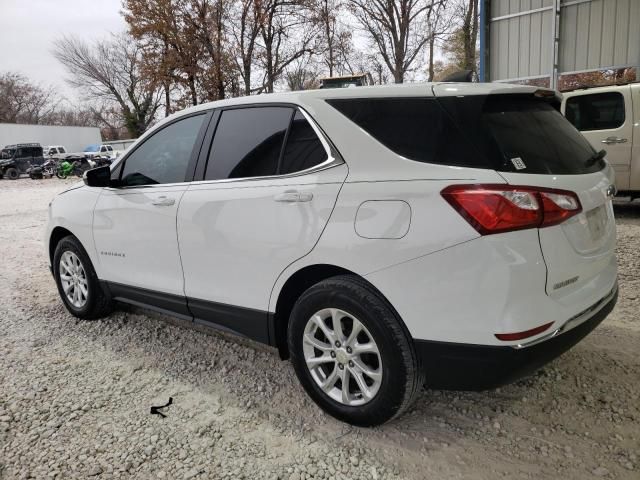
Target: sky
(29, 28)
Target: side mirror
(97, 177)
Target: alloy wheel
(73, 279)
(342, 357)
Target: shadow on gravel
(627, 211)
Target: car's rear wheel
(352, 353)
(77, 281)
(12, 173)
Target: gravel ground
(75, 396)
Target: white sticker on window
(518, 163)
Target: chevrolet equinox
(383, 238)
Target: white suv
(383, 238)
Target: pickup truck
(609, 118)
(101, 150)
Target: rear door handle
(611, 140)
(293, 196)
(163, 202)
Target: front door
(606, 122)
(135, 224)
(269, 188)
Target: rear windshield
(509, 133)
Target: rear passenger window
(597, 111)
(248, 142)
(304, 149)
(415, 128)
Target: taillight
(504, 208)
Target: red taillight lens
(506, 337)
(503, 208)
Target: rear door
(605, 118)
(268, 185)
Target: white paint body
(377, 215)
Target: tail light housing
(504, 208)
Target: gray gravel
(75, 396)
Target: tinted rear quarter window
(597, 111)
(304, 149)
(415, 128)
(510, 133)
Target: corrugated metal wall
(593, 34)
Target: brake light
(504, 208)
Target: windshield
(92, 148)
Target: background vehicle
(457, 235)
(55, 151)
(97, 149)
(346, 81)
(609, 117)
(72, 166)
(16, 160)
(73, 138)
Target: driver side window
(163, 157)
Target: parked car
(382, 238)
(16, 160)
(97, 149)
(609, 117)
(54, 151)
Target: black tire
(98, 301)
(12, 173)
(402, 378)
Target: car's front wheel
(77, 281)
(12, 173)
(351, 352)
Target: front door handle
(163, 202)
(293, 196)
(611, 140)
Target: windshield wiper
(596, 157)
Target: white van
(609, 117)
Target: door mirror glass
(98, 177)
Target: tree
(336, 45)
(286, 34)
(469, 31)
(461, 46)
(398, 29)
(24, 102)
(439, 24)
(245, 29)
(111, 71)
(302, 76)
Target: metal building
(540, 40)
(74, 139)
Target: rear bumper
(455, 366)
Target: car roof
(372, 91)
